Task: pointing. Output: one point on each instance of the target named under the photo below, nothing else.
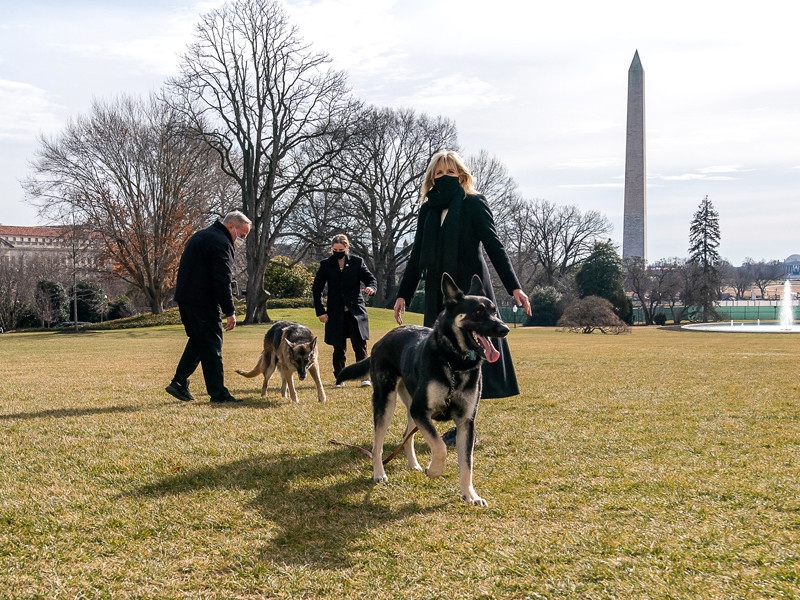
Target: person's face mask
(339, 255)
(239, 241)
(447, 184)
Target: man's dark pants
(359, 345)
(204, 328)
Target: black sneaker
(449, 437)
(181, 392)
(223, 399)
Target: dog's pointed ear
(313, 343)
(476, 287)
(289, 344)
(450, 290)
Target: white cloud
(27, 111)
(724, 169)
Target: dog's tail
(358, 370)
(259, 369)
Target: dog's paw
(416, 467)
(433, 471)
(380, 478)
(475, 500)
(436, 468)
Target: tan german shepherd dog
(288, 347)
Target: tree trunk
(256, 300)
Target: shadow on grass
(60, 413)
(321, 509)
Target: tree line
(257, 120)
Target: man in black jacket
(203, 290)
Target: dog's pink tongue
(488, 349)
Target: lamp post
(514, 309)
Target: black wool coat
(205, 270)
(468, 227)
(344, 290)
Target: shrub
(590, 313)
(28, 317)
(120, 307)
(290, 303)
(91, 300)
(660, 319)
(284, 280)
(544, 306)
(51, 302)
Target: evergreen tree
(602, 274)
(704, 261)
(544, 306)
(90, 299)
(51, 302)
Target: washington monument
(634, 224)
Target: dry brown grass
(659, 464)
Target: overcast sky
(540, 85)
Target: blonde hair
(450, 158)
(340, 238)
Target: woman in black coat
(345, 316)
(454, 221)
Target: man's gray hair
(237, 217)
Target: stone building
(18, 243)
(792, 266)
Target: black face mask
(443, 191)
(446, 184)
(339, 255)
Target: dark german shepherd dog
(437, 375)
(288, 347)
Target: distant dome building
(792, 266)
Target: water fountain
(787, 310)
(785, 325)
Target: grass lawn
(658, 464)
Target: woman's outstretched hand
(399, 309)
(519, 297)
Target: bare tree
(742, 281)
(16, 291)
(639, 281)
(562, 236)
(511, 215)
(764, 272)
(129, 175)
(379, 178)
(267, 105)
(314, 223)
(727, 277)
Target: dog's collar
(451, 375)
(466, 355)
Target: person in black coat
(203, 289)
(454, 222)
(345, 316)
